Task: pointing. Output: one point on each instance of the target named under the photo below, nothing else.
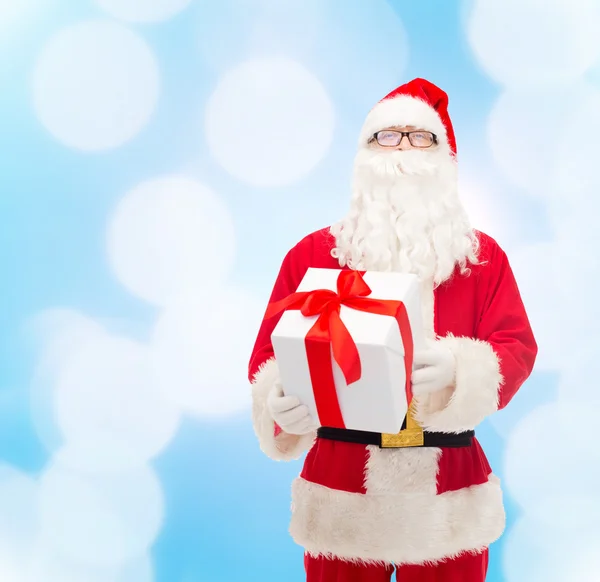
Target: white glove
(289, 413)
(435, 369)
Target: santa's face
(405, 213)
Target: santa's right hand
(289, 413)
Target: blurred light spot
(100, 453)
(339, 41)
(57, 330)
(483, 209)
(95, 85)
(578, 175)
(529, 551)
(140, 570)
(170, 234)
(45, 564)
(537, 552)
(256, 28)
(100, 520)
(55, 334)
(143, 10)
(552, 452)
(575, 217)
(362, 52)
(584, 564)
(528, 42)
(578, 278)
(12, 11)
(566, 510)
(526, 129)
(19, 514)
(201, 348)
(9, 572)
(106, 398)
(536, 266)
(269, 122)
(577, 380)
(562, 311)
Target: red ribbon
(329, 334)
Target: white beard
(406, 216)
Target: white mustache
(398, 163)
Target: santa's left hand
(435, 369)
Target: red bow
(329, 334)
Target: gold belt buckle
(405, 438)
(411, 436)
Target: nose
(404, 143)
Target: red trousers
(466, 568)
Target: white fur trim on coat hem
(410, 528)
(402, 111)
(284, 447)
(475, 394)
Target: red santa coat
(408, 505)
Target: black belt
(405, 438)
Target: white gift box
(377, 401)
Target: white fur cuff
(283, 447)
(475, 394)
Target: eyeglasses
(392, 138)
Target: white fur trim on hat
(401, 111)
(283, 447)
(475, 393)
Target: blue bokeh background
(226, 506)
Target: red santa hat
(418, 103)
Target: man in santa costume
(362, 507)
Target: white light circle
(330, 38)
(349, 57)
(106, 398)
(101, 520)
(536, 552)
(44, 563)
(577, 260)
(201, 349)
(143, 10)
(99, 454)
(168, 235)
(57, 331)
(566, 510)
(534, 469)
(525, 128)
(13, 14)
(269, 122)
(531, 265)
(528, 42)
(95, 85)
(485, 214)
(56, 334)
(578, 175)
(583, 364)
(523, 552)
(260, 27)
(19, 518)
(573, 219)
(9, 9)
(584, 564)
(140, 570)
(9, 570)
